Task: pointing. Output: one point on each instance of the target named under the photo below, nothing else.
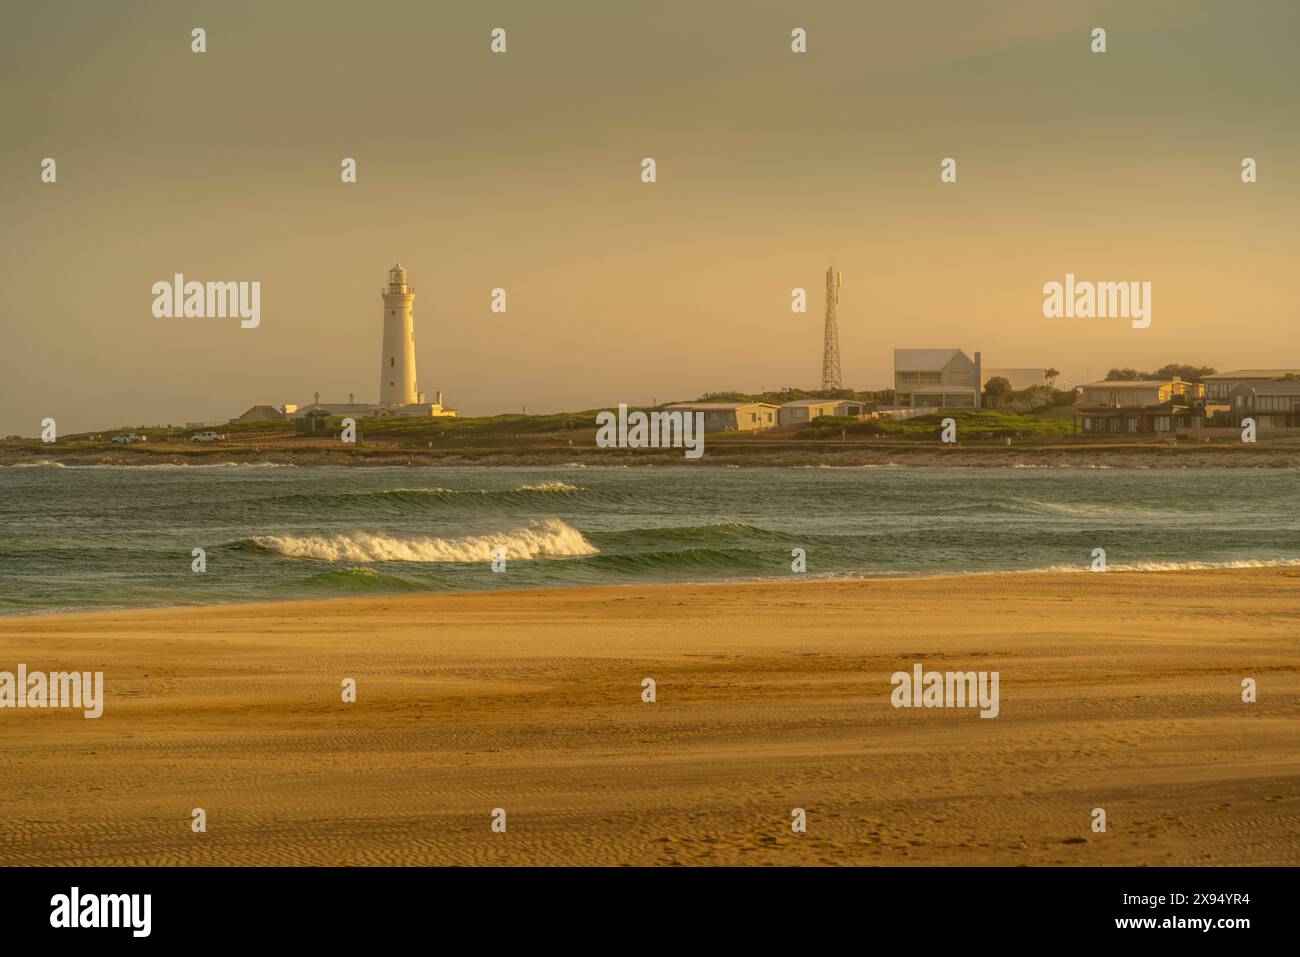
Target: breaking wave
(551, 538)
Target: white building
(946, 378)
(397, 382)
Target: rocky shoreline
(721, 454)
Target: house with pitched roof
(946, 378)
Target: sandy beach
(1118, 690)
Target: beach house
(945, 378)
(1219, 387)
(732, 416)
(1138, 406)
(802, 411)
(1273, 404)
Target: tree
(1188, 373)
(1049, 376)
(996, 391)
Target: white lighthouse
(397, 382)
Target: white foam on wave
(846, 468)
(439, 491)
(153, 466)
(191, 466)
(1205, 566)
(1188, 566)
(551, 538)
(1066, 465)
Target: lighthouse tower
(397, 384)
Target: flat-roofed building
(1273, 404)
(365, 410)
(1138, 406)
(946, 378)
(1218, 387)
(1128, 393)
(732, 416)
(802, 411)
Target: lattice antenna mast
(831, 347)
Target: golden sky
(522, 170)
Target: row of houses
(1271, 397)
(928, 380)
(925, 380)
(949, 379)
(755, 416)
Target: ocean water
(103, 537)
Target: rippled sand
(1119, 691)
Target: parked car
(126, 438)
(206, 437)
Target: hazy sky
(522, 171)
